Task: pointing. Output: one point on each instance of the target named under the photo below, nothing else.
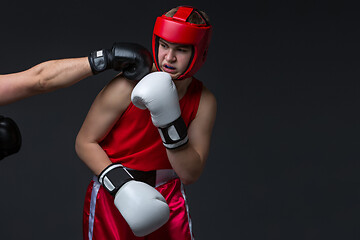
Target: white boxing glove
(142, 206)
(157, 92)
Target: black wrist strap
(98, 61)
(113, 177)
(174, 135)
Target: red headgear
(176, 30)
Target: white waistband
(164, 175)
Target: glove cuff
(174, 134)
(113, 177)
(99, 61)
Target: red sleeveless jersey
(136, 143)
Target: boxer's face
(173, 58)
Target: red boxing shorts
(102, 220)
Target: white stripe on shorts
(187, 211)
(94, 192)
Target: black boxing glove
(134, 60)
(10, 137)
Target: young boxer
(144, 140)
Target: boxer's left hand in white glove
(142, 206)
(157, 92)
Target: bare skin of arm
(189, 161)
(108, 106)
(44, 77)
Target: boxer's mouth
(169, 67)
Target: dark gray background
(284, 162)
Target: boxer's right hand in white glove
(157, 92)
(142, 206)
